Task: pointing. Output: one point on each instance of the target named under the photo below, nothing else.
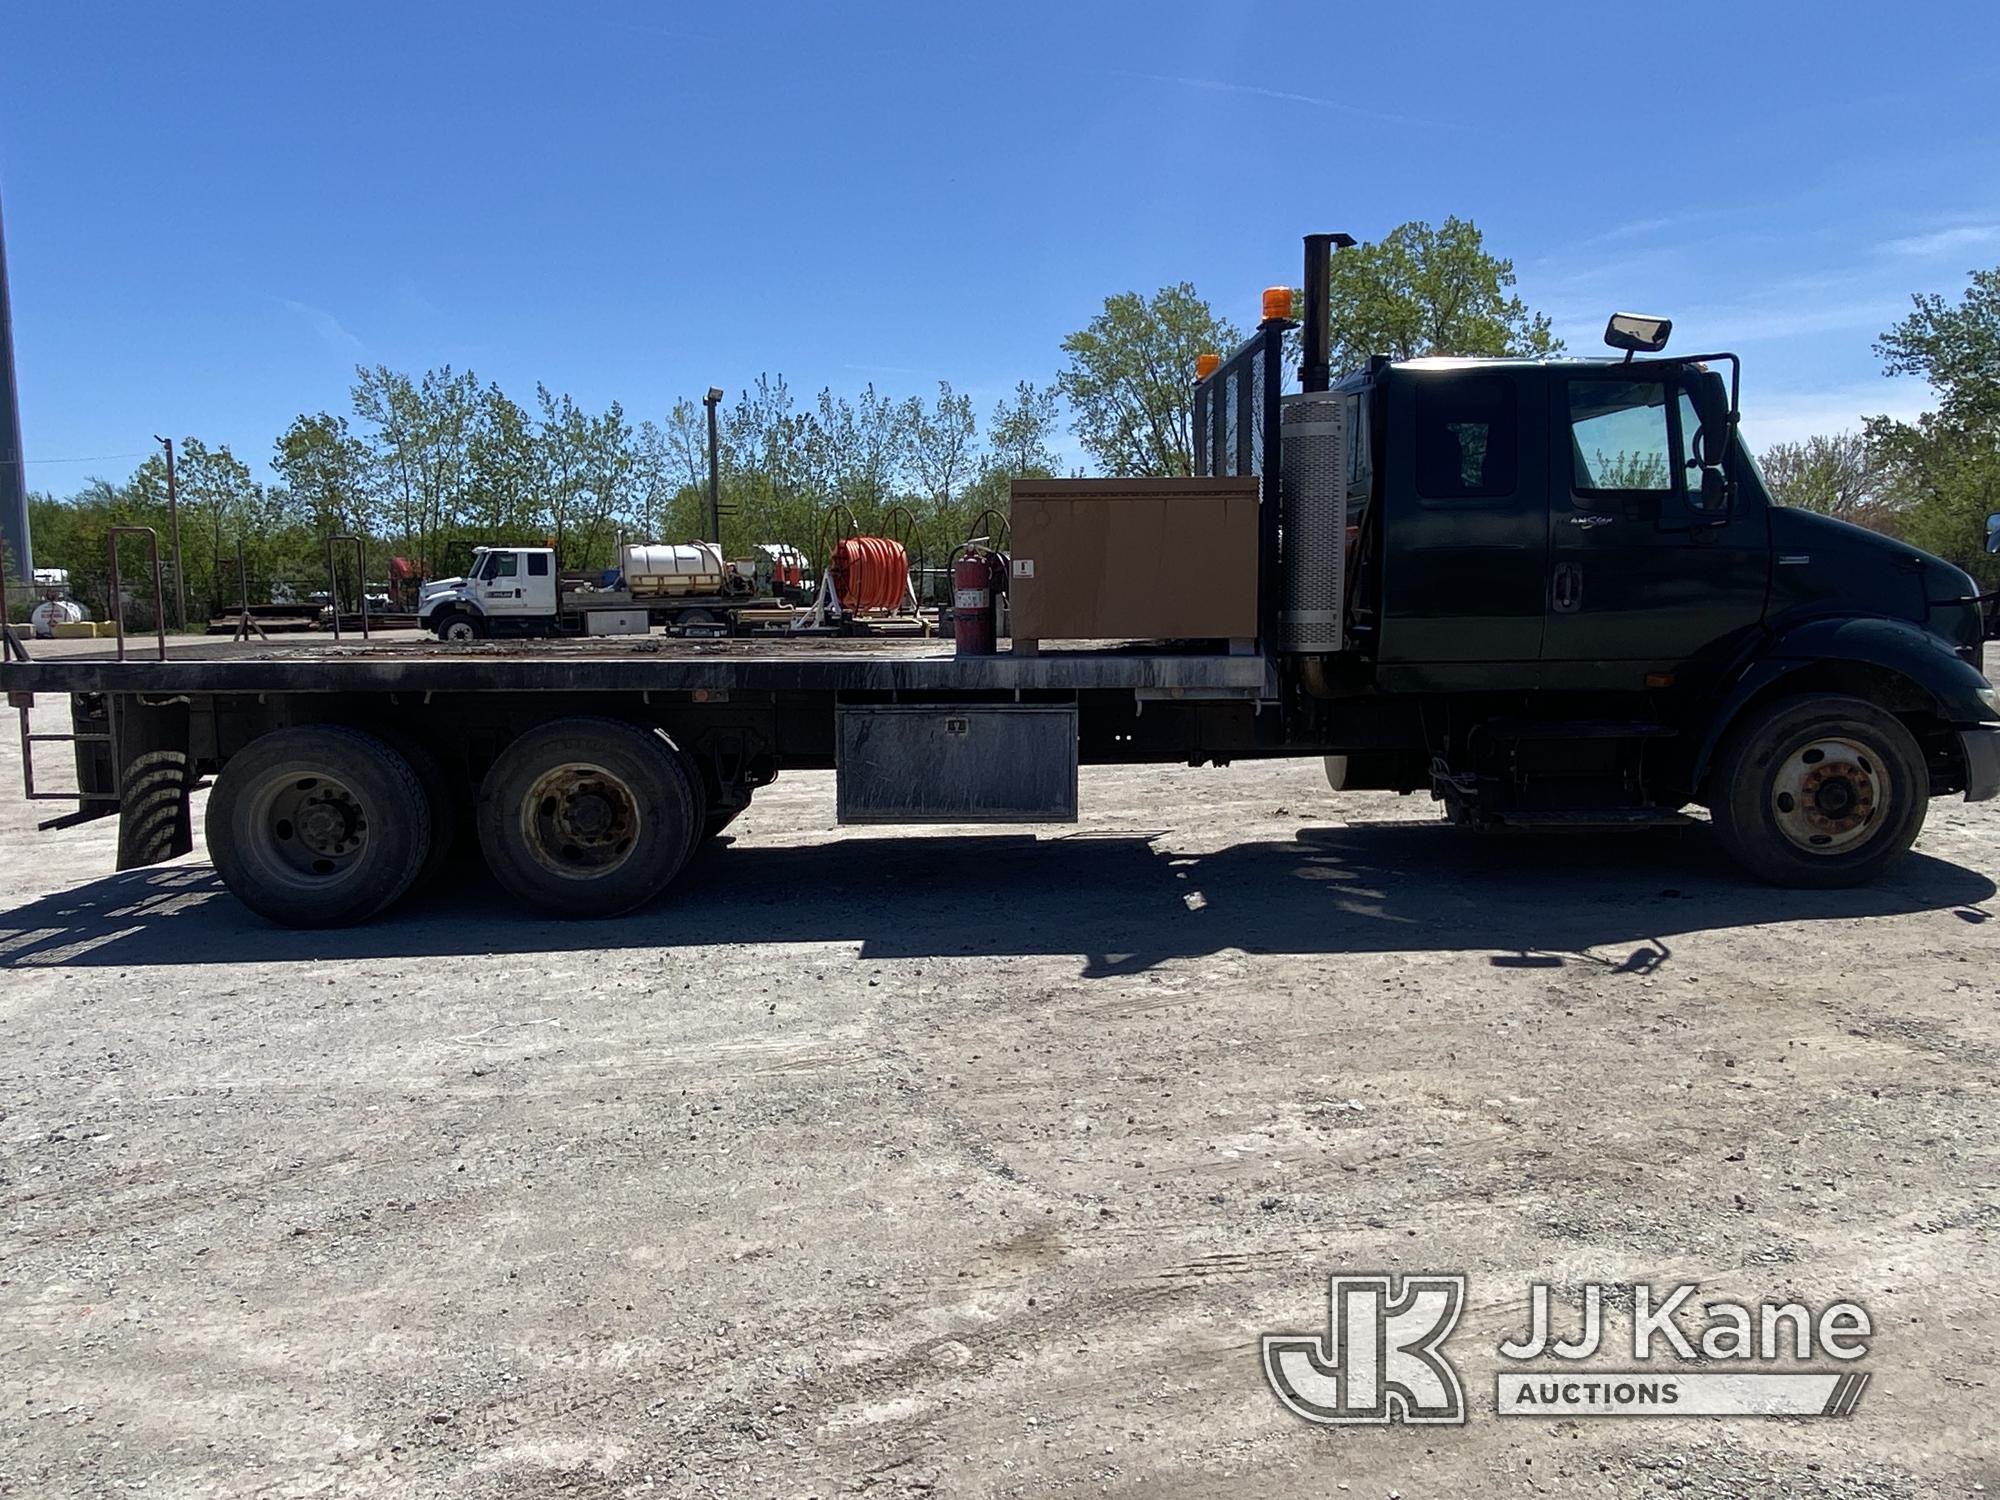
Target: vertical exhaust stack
(1315, 365)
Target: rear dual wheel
(589, 817)
(318, 826)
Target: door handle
(1588, 521)
(1567, 595)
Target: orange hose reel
(870, 573)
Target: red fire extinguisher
(976, 577)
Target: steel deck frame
(804, 668)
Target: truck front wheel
(319, 826)
(588, 817)
(1819, 792)
(460, 626)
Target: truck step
(1593, 817)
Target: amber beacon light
(1277, 302)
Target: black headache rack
(1236, 433)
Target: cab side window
(1468, 438)
(1360, 458)
(508, 563)
(538, 565)
(1618, 436)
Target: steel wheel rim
(460, 630)
(1830, 795)
(307, 830)
(580, 821)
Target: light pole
(711, 401)
(13, 473)
(174, 529)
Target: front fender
(436, 607)
(1927, 672)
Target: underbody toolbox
(970, 763)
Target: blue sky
(214, 212)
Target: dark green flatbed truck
(1547, 592)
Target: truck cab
(1544, 525)
(1579, 526)
(1556, 592)
(506, 591)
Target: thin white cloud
(327, 326)
(1946, 241)
(1637, 227)
(1257, 91)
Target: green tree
(1130, 379)
(1841, 475)
(772, 482)
(671, 474)
(325, 472)
(1020, 435)
(1943, 470)
(1421, 290)
(420, 434)
(944, 445)
(220, 505)
(503, 497)
(945, 461)
(861, 449)
(1020, 438)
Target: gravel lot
(976, 1164)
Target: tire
(461, 626)
(1819, 792)
(588, 817)
(319, 826)
(440, 796)
(697, 796)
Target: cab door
(1465, 527)
(1642, 582)
(507, 587)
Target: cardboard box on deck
(1133, 559)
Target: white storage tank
(53, 612)
(690, 568)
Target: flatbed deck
(634, 664)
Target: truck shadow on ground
(1118, 902)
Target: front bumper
(1981, 748)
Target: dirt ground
(977, 1164)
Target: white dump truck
(519, 591)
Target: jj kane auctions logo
(1382, 1356)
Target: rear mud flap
(156, 773)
